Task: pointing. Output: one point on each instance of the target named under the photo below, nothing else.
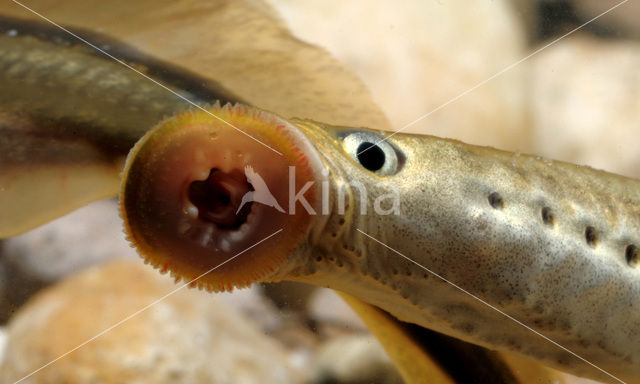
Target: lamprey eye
(370, 151)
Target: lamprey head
(202, 188)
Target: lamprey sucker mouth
(197, 192)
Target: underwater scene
(319, 192)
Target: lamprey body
(549, 243)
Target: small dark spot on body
(632, 254)
(496, 201)
(547, 216)
(591, 235)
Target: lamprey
(69, 115)
(552, 244)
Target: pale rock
(326, 307)
(88, 236)
(185, 335)
(252, 303)
(417, 56)
(280, 310)
(356, 359)
(585, 100)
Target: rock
(88, 236)
(356, 359)
(252, 303)
(585, 96)
(184, 337)
(280, 310)
(418, 55)
(327, 308)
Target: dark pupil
(370, 156)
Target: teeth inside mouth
(218, 198)
(183, 189)
(215, 213)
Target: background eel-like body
(69, 115)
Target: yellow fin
(413, 363)
(429, 357)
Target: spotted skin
(550, 243)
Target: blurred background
(433, 67)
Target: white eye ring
(368, 150)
